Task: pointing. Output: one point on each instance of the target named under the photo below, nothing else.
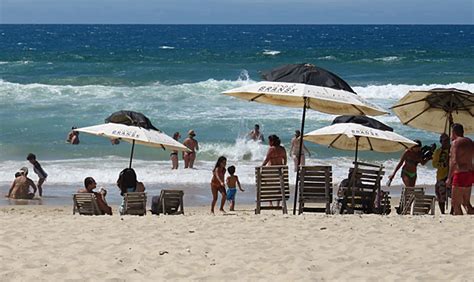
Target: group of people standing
(189, 157)
(453, 163)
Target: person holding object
(461, 173)
(89, 186)
(410, 160)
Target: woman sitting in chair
(127, 182)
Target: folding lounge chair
(272, 185)
(135, 203)
(414, 201)
(86, 204)
(169, 202)
(365, 185)
(315, 188)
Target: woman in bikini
(218, 184)
(174, 153)
(410, 160)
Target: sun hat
(191, 132)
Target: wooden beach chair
(135, 203)
(85, 204)
(364, 186)
(170, 202)
(414, 201)
(272, 185)
(315, 188)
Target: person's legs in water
(174, 161)
(192, 158)
(40, 186)
(186, 159)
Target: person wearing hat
(20, 188)
(294, 150)
(410, 160)
(193, 146)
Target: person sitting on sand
(410, 160)
(89, 186)
(127, 182)
(20, 188)
(193, 146)
(232, 184)
(217, 183)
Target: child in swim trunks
(232, 182)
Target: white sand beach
(49, 243)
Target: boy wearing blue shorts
(232, 183)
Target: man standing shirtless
(193, 146)
(461, 174)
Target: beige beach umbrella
(357, 137)
(435, 110)
(134, 134)
(299, 95)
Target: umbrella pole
(357, 147)
(450, 122)
(131, 154)
(299, 156)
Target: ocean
(53, 77)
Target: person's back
(21, 189)
(463, 153)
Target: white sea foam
(167, 47)
(271, 52)
(389, 59)
(328, 58)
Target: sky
(237, 11)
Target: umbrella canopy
(298, 95)
(134, 134)
(444, 106)
(363, 120)
(353, 136)
(307, 74)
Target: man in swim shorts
(461, 174)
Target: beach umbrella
(326, 99)
(134, 134)
(360, 133)
(437, 109)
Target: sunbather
(127, 182)
(89, 186)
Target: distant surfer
(255, 134)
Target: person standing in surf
(39, 171)
(174, 153)
(193, 146)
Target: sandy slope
(50, 243)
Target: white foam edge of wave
(106, 170)
(211, 86)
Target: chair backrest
(414, 201)
(272, 185)
(366, 177)
(86, 204)
(135, 203)
(171, 202)
(315, 187)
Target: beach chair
(85, 204)
(272, 185)
(364, 186)
(414, 201)
(169, 202)
(134, 203)
(315, 188)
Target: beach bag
(155, 200)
